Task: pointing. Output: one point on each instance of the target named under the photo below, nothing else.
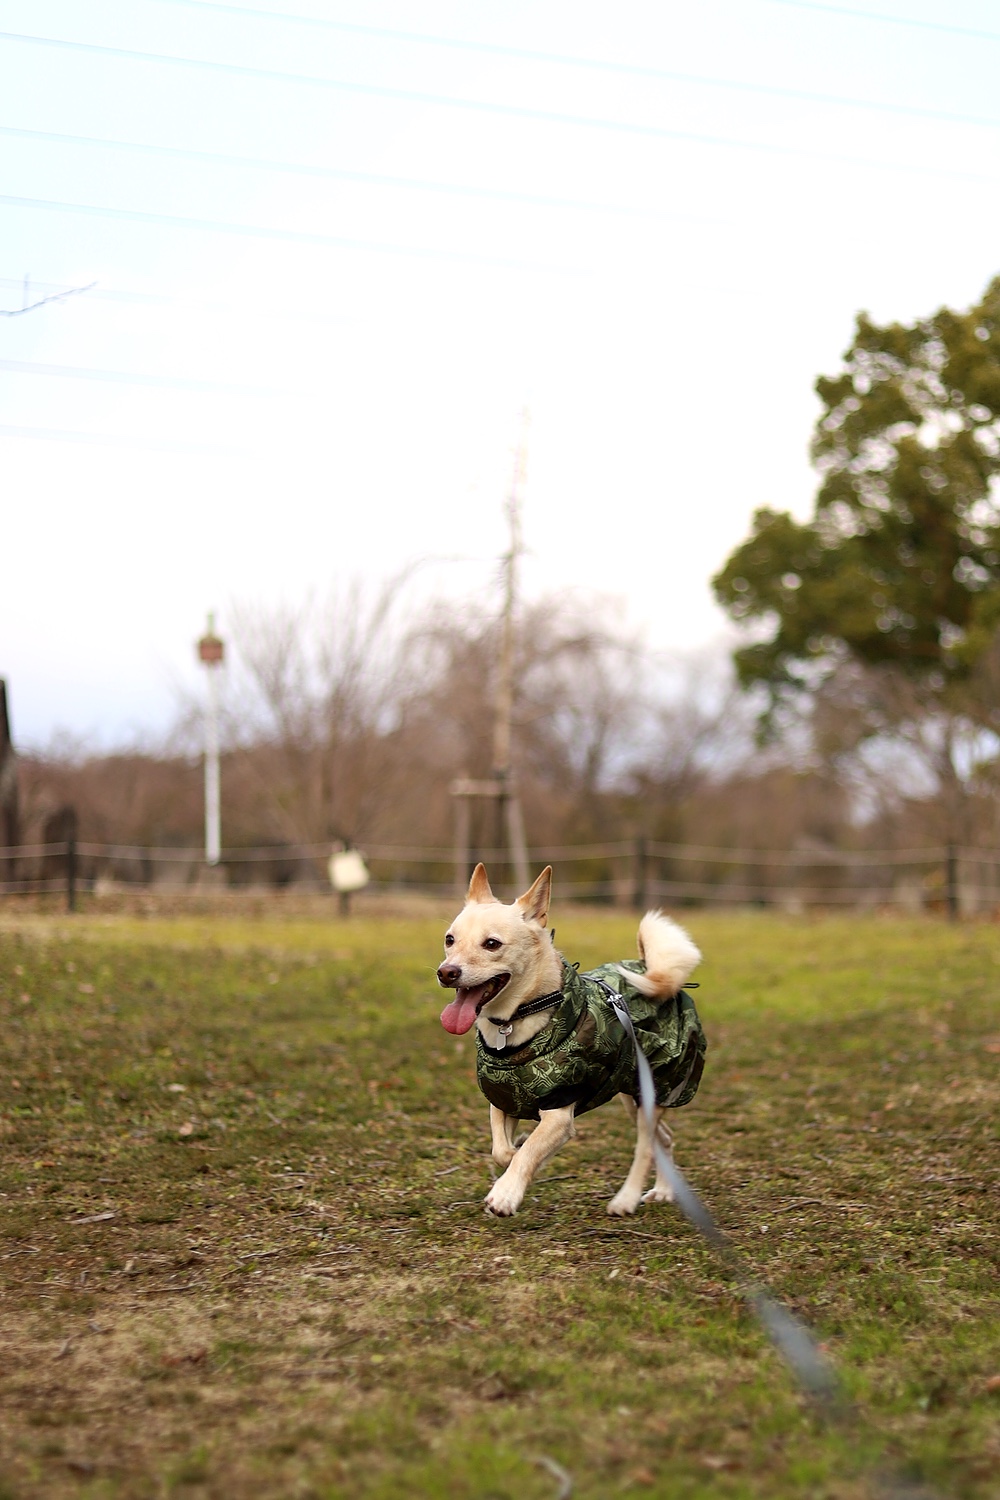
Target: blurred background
(280, 283)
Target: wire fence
(630, 872)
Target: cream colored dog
(499, 958)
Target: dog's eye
(449, 938)
(492, 944)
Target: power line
(418, 184)
(445, 101)
(871, 15)
(292, 236)
(305, 237)
(304, 169)
(111, 440)
(125, 377)
(174, 304)
(575, 60)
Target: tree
(315, 717)
(351, 721)
(575, 703)
(899, 568)
(696, 734)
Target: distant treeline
(350, 723)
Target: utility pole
(509, 803)
(501, 788)
(210, 653)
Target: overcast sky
(334, 259)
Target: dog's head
(493, 949)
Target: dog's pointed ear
(534, 903)
(479, 886)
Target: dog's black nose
(449, 975)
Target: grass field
(244, 1254)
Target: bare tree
(349, 720)
(314, 709)
(574, 706)
(27, 307)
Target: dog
(548, 1044)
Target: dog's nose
(449, 975)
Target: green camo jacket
(584, 1056)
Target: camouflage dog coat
(584, 1056)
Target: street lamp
(210, 654)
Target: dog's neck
(501, 1011)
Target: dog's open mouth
(461, 1014)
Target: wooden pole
(71, 873)
(516, 841)
(510, 808)
(641, 875)
(951, 882)
(463, 812)
(501, 788)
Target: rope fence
(629, 872)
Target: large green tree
(898, 570)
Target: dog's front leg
(554, 1129)
(503, 1128)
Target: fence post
(641, 897)
(951, 883)
(71, 873)
(463, 820)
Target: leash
(790, 1337)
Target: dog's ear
(479, 886)
(534, 903)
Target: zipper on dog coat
(584, 1056)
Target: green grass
(298, 1294)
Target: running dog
(548, 1044)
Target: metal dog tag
(503, 1032)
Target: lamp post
(210, 653)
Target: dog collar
(505, 1025)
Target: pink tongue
(460, 1015)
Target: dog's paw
(503, 1158)
(504, 1198)
(623, 1204)
(658, 1195)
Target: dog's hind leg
(629, 1195)
(628, 1104)
(661, 1191)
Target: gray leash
(792, 1339)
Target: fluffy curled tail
(669, 955)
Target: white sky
(285, 411)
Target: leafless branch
(73, 291)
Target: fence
(631, 872)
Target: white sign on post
(348, 871)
